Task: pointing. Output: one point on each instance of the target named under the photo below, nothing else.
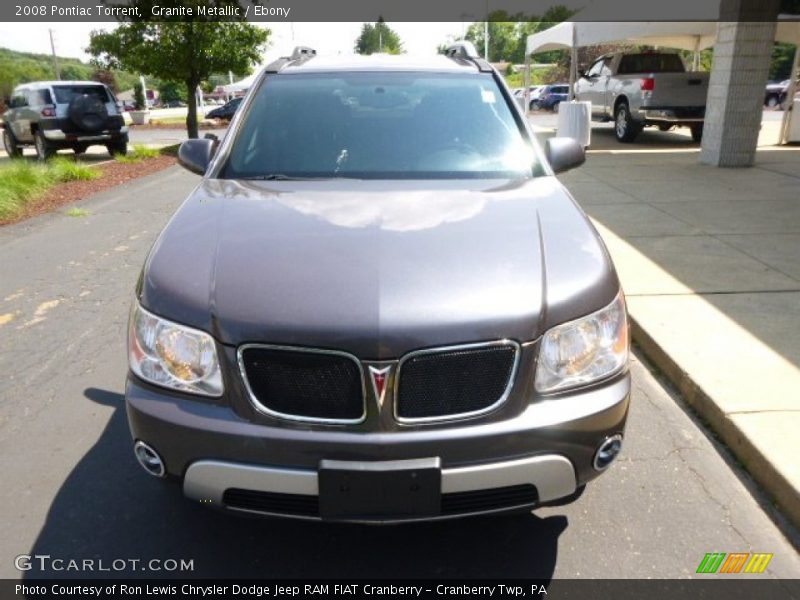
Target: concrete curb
(761, 469)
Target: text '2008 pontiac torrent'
(379, 304)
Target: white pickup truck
(644, 88)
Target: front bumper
(547, 448)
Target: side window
(594, 70)
(18, 100)
(39, 97)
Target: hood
(377, 268)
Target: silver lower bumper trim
(551, 474)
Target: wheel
(117, 148)
(10, 144)
(535, 105)
(79, 149)
(697, 132)
(44, 149)
(772, 101)
(625, 128)
(664, 127)
(554, 108)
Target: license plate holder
(378, 490)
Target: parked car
(51, 115)
(377, 311)
(226, 111)
(551, 96)
(637, 89)
(776, 94)
(175, 104)
(535, 95)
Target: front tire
(772, 102)
(697, 132)
(625, 128)
(44, 149)
(10, 144)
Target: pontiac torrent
(378, 304)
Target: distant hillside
(21, 67)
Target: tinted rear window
(650, 63)
(381, 125)
(65, 93)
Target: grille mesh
(492, 499)
(271, 502)
(454, 382)
(305, 384)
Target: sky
(326, 38)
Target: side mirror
(196, 155)
(564, 153)
(581, 73)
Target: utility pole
(55, 58)
(486, 34)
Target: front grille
(304, 385)
(271, 502)
(486, 500)
(454, 382)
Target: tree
(378, 38)
(139, 102)
(181, 52)
(169, 91)
(107, 77)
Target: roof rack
(464, 50)
(303, 52)
(461, 49)
(299, 55)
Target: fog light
(149, 459)
(607, 452)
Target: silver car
(380, 309)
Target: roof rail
(464, 50)
(461, 49)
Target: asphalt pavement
(71, 487)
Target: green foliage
(22, 67)
(378, 38)
(137, 153)
(509, 32)
(169, 91)
(782, 57)
(107, 77)
(139, 102)
(77, 212)
(22, 181)
(187, 53)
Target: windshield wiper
(282, 177)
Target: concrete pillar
(736, 89)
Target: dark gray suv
(378, 305)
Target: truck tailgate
(678, 90)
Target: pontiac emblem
(379, 377)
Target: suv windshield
(65, 93)
(368, 125)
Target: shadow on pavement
(108, 508)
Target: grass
(77, 212)
(138, 153)
(22, 181)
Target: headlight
(585, 350)
(172, 355)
